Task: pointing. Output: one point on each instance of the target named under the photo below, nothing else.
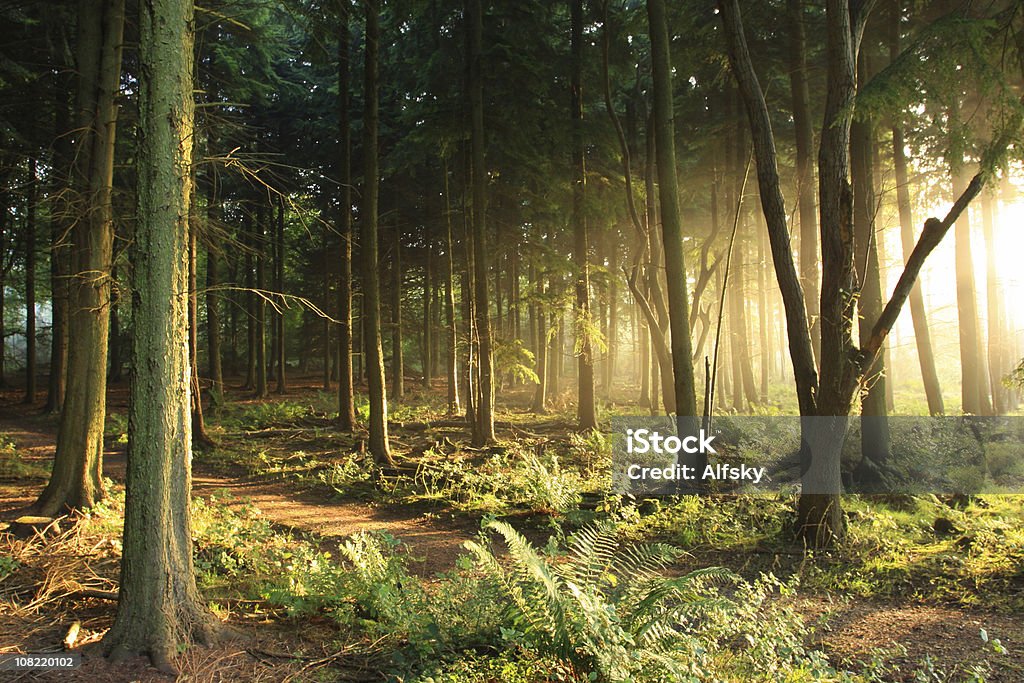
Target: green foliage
(502, 481)
(605, 608)
(14, 467)
(513, 361)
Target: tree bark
(76, 478)
(60, 227)
(974, 383)
(586, 407)
(809, 275)
(397, 352)
(678, 303)
(919, 317)
(484, 431)
(378, 422)
(32, 197)
(346, 381)
(281, 359)
(159, 607)
(875, 447)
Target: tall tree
(799, 91)
(586, 408)
(76, 478)
(684, 390)
(346, 392)
(32, 197)
(159, 606)
(373, 350)
(483, 431)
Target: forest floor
(288, 466)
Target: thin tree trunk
(260, 244)
(428, 317)
(586, 410)
(804, 168)
(30, 284)
(974, 383)
(397, 352)
(281, 359)
(199, 436)
(346, 380)
(875, 447)
(378, 422)
(449, 295)
(922, 334)
(998, 364)
(671, 224)
(484, 432)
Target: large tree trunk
(76, 479)
(378, 423)
(484, 427)
(30, 284)
(668, 187)
(346, 381)
(159, 607)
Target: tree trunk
(449, 297)
(249, 240)
(998, 364)
(671, 224)
(397, 352)
(804, 169)
(428, 317)
(974, 384)
(484, 431)
(60, 226)
(346, 380)
(199, 435)
(875, 448)
(213, 332)
(281, 359)
(260, 244)
(30, 284)
(586, 408)
(378, 423)
(76, 478)
(159, 607)
(922, 335)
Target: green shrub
(605, 608)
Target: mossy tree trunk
(159, 607)
(76, 478)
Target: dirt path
(434, 539)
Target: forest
(521, 341)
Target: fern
(606, 607)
